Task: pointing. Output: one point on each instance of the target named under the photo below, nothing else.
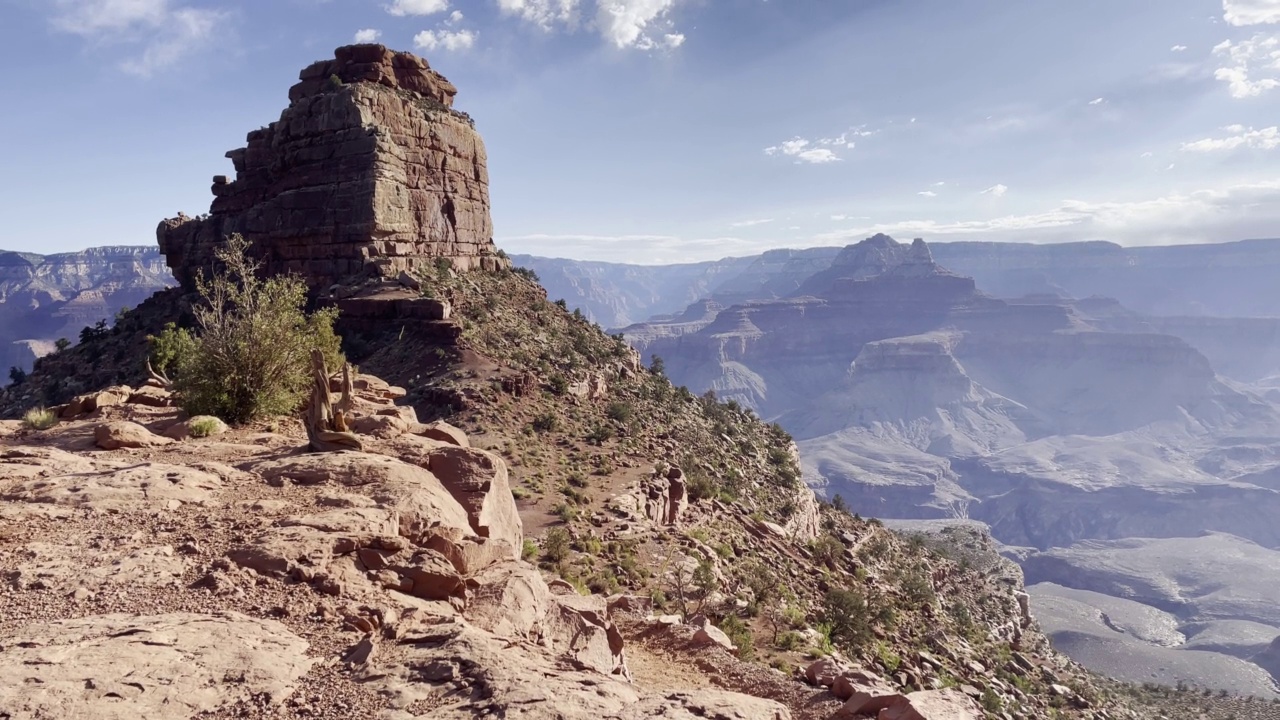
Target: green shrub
(530, 549)
(555, 546)
(39, 418)
(559, 384)
(203, 427)
(827, 550)
(619, 411)
(546, 422)
(249, 357)
(739, 634)
(600, 434)
(845, 611)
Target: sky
(655, 131)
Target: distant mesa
(368, 172)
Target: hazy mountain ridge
(617, 294)
(47, 297)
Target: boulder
(119, 434)
(110, 397)
(151, 397)
(380, 426)
(432, 576)
(348, 468)
(509, 601)
(948, 704)
(823, 672)
(207, 424)
(864, 693)
(708, 634)
(479, 482)
(445, 433)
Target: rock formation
(368, 171)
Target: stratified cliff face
(369, 171)
(887, 361)
(43, 298)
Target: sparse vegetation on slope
(587, 429)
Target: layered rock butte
(369, 171)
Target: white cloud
(997, 190)
(447, 39)
(1097, 101)
(402, 8)
(1147, 154)
(165, 33)
(842, 140)
(1178, 48)
(1251, 12)
(800, 149)
(1239, 137)
(1253, 65)
(455, 17)
(818, 156)
(368, 35)
(927, 193)
(543, 13)
(91, 17)
(647, 249)
(1214, 215)
(625, 22)
(751, 223)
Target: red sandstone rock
(368, 171)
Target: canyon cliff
(1057, 422)
(47, 297)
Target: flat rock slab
(122, 488)
(67, 567)
(160, 667)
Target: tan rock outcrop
(107, 485)
(480, 482)
(444, 432)
(949, 704)
(665, 497)
(368, 171)
(123, 434)
(864, 693)
(168, 667)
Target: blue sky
(671, 130)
